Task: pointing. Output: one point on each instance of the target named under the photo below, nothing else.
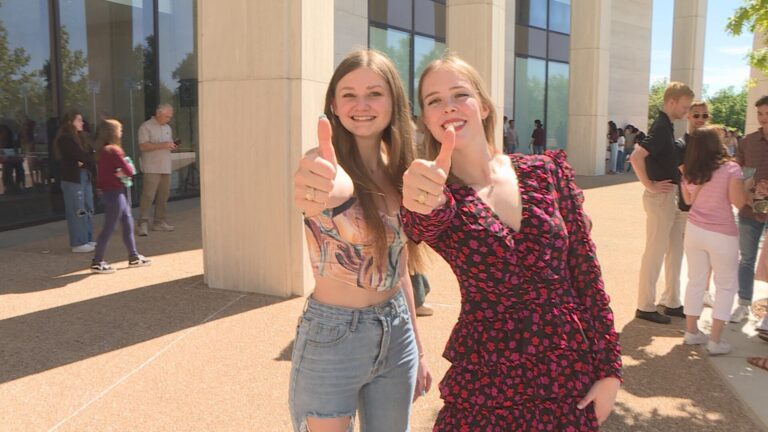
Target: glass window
(178, 86)
(557, 105)
(560, 16)
(530, 42)
(397, 46)
(532, 13)
(396, 13)
(530, 82)
(27, 113)
(424, 51)
(430, 18)
(559, 47)
(108, 64)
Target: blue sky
(724, 62)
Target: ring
(309, 195)
(422, 198)
(423, 392)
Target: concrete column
(759, 90)
(264, 66)
(588, 92)
(475, 32)
(510, 16)
(689, 27)
(351, 28)
(630, 65)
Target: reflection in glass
(424, 51)
(26, 110)
(429, 18)
(395, 13)
(557, 105)
(532, 13)
(560, 16)
(397, 46)
(530, 79)
(178, 86)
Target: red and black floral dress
(535, 329)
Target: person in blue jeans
(77, 170)
(752, 153)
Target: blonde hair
(397, 140)
(675, 90)
(699, 103)
(465, 70)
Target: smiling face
(363, 103)
(449, 99)
(698, 116)
(78, 123)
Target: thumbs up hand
(424, 180)
(320, 182)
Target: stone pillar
(475, 32)
(510, 17)
(588, 90)
(264, 66)
(351, 28)
(689, 27)
(759, 90)
(630, 66)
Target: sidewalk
(155, 349)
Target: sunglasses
(704, 116)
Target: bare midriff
(334, 292)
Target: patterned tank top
(340, 248)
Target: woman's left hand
(423, 380)
(603, 394)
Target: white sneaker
(83, 248)
(739, 314)
(762, 325)
(695, 339)
(143, 229)
(92, 244)
(162, 226)
(719, 348)
(709, 301)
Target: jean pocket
(324, 333)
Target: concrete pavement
(154, 349)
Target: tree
(728, 107)
(656, 99)
(752, 15)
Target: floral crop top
(339, 249)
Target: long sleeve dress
(535, 329)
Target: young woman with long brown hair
(357, 348)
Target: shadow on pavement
(40, 341)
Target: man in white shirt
(156, 143)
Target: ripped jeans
(347, 360)
(78, 206)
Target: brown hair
(675, 90)
(459, 66)
(67, 128)
(397, 139)
(762, 101)
(704, 154)
(108, 132)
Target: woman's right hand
(424, 180)
(316, 176)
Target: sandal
(758, 362)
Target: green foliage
(728, 107)
(752, 15)
(656, 99)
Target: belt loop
(306, 305)
(355, 317)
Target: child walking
(712, 183)
(113, 175)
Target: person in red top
(112, 169)
(534, 347)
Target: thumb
(443, 159)
(324, 134)
(587, 399)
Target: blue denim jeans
(750, 232)
(347, 360)
(78, 208)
